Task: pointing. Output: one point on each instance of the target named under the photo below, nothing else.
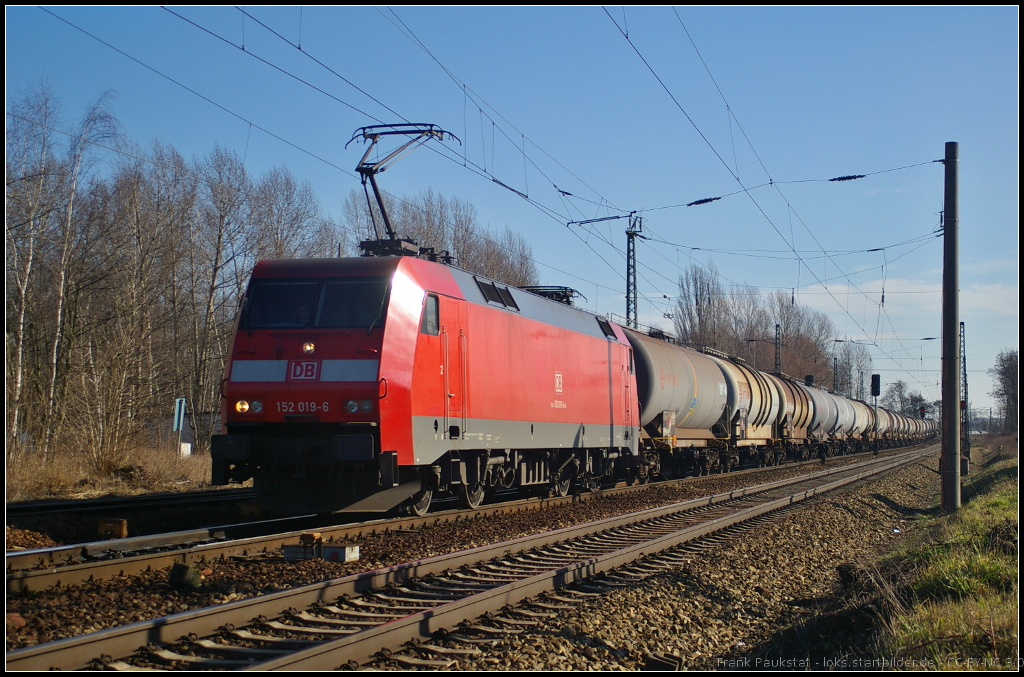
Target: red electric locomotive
(369, 383)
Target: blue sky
(818, 92)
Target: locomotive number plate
(302, 407)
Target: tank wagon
(702, 411)
(366, 384)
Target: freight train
(380, 383)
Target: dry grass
(971, 633)
(960, 579)
(73, 475)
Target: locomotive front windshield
(343, 303)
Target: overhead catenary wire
(790, 206)
(776, 183)
(766, 253)
(768, 184)
(479, 169)
(744, 189)
(480, 101)
(603, 203)
(482, 169)
(557, 217)
(192, 91)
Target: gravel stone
(717, 611)
(731, 593)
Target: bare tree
(49, 243)
(916, 402)
(895, 398)
(702, 309)
(739, 321)
(33, 184)
(449, 224)
(1006, 380)
(853, 360)
(123, 363)
(219, 259)
(508, 259)
(286, 220)
(752, 328)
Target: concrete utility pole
(950, 461)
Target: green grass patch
(958, 584)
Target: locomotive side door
(453, 365)
(629, 402)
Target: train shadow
(905, 510)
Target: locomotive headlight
(241, 406)
(308, 348)
(256, 407)
(365, 406)
(352, 406)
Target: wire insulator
(704, 201)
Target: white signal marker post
(179, 425)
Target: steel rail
(365, 645)
(77, 652)
(57, 560)
(43, 568)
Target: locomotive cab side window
(431, 322)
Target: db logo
(301, 370)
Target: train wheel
(421, 502)
(635, 477)
(562, 488)
(471, 496)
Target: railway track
(430, 604)
(43, 568)
(121, 503)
